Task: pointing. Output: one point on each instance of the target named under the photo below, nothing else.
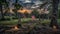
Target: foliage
(2, 1)
(45, 21)
(59, 14)
(34, 12)
(5, 4)
(18, 6)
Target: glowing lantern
(16, 28)
(54, 28)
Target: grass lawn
(14, 21)
(59, 21)
(23, 20)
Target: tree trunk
(18, 15)
(19, 20)
(1, 12)
(54, 13)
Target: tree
(54, 13)
(2, 3)
(17, 7)
(59, 13)
(25, 14)
(35, 13)
(41, 6)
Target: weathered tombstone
(33, 17)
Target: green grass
(23, 20)
(45, 21)
(59, 21)
(14, 21)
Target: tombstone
(33, 17)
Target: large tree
(41, 6)
(54, 13)
(35, 13)
(2, 3)
(17, 7)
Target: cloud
(27, 1)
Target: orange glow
(25, 10)
(16, 28)
(54, 27)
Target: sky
(24, 1)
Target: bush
(45, 22)
(35, 13)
